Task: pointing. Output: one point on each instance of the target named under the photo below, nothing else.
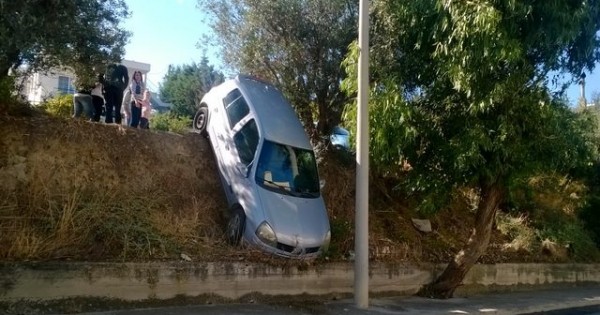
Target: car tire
(201, 120)
(236, 225)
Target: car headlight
(326, 242)
(266, 235)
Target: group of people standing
(114, 94)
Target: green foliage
(60, 106)
(10, 102)
(590, 216)
(6, 87)
(590, 213)
(170, 122)
(557, 227)
(79, 35)
(296, 44)
(388, 113)
(556, 210)
(184, 86)
(341, 236)
(465, 86)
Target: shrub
(160, 122)
(12, 103)
(6, 86)
(560, 209)
(590, 215)
(60, 105)
(168, 122)
(572, 233)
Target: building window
(65, 85)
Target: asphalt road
(567, 300)
(586, 310)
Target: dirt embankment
(78, 190)
(74, 190)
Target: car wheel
(201, 120)
(236, 225)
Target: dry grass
(517, 228)
(76, 190)
(557, 193)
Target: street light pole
(361, 238)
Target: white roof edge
(144, 67)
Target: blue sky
(166, 32)
(592, 85)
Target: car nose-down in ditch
(267, 167)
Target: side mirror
(322, 184)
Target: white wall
(39, 86)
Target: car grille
(311, 250)
(289, 249)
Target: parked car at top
(267, 167)
(340, 138)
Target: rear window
(236, 107)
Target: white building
(39, 86)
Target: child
(146, 110)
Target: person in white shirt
(133, 99)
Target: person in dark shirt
(115, 80)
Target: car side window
(246, 141)
(236, 107)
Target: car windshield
(288, 170)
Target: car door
(235, 108)
(245, 141)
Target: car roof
(274, 115)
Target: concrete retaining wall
(138, 281)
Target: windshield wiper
(282, 187)
(307, 194)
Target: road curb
(165, 280)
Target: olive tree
(296, 44)
(78, 34)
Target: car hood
(297, 222)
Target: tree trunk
(445, 285)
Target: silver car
(267, 167)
